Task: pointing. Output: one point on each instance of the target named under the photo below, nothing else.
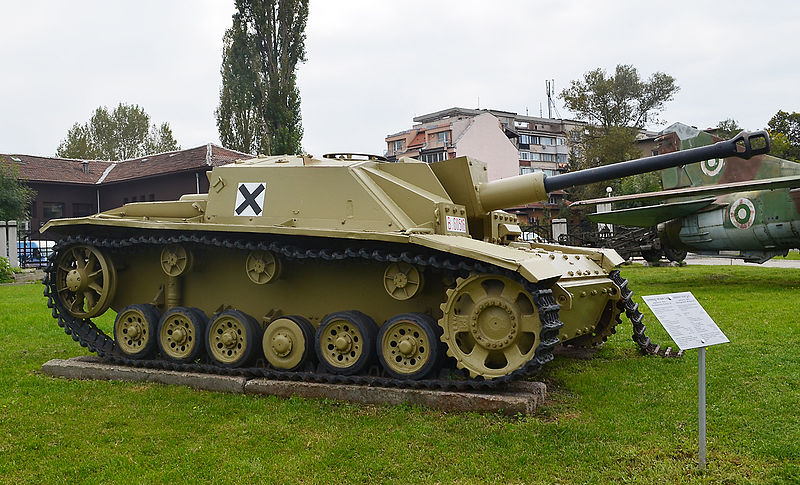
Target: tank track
(88, 335)
(636, 317)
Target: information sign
(690, 327)
(685, 320)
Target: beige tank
(345, 268)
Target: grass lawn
(793, 254)
(617, 418)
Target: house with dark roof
(74, 188)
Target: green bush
(6, 271)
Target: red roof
(44, 169)
(418, 140)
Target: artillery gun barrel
(534, 187)
(739, 146)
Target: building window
(561, 157)
(442, 137)
(536, 157)
(524, 155)
(561, 140)
(434, 157)
(546, 140)
(545, 171)
(528, 140)
(521, 124)
(80, 210)
(547, 157)
(52, 210)
(396, 146)
(524, 170)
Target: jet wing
(762, 184)
(650, 215)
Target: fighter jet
(729, 207)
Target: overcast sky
(374, 65)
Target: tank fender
(533, 265)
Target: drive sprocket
(490, 325)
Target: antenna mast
(551, 104)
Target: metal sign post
(691, 328)
(701, 364)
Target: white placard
(456, 224)
(685, 320)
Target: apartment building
(509, 143)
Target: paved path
(772, 263)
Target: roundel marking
(742, 213)
(712, 167)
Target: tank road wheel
(408, 345)
(402, 280)
(288, 342)
(345, 342)
(85, 281)
(180, 334)
(135, 330)
(491, 325)
(262, 267)
(232, 338)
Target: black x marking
(249, 199)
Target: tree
(616, 108)
(121, 134)
(239, 119)
(728, 128)
(259, 100)
(784, 129)
(619, 100)
(15, 196)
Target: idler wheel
(180, 334)
(232, 338)
(85, 281)
(490, 325)
(135, 330)
(288, 342)
(345, 342)
(409, 345)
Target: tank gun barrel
(534, 187)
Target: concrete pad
(518, 398)
(91, 368)
(524, 397)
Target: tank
(346, 268)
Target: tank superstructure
(296, 267)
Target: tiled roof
(44, 169)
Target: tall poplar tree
(259, 101)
